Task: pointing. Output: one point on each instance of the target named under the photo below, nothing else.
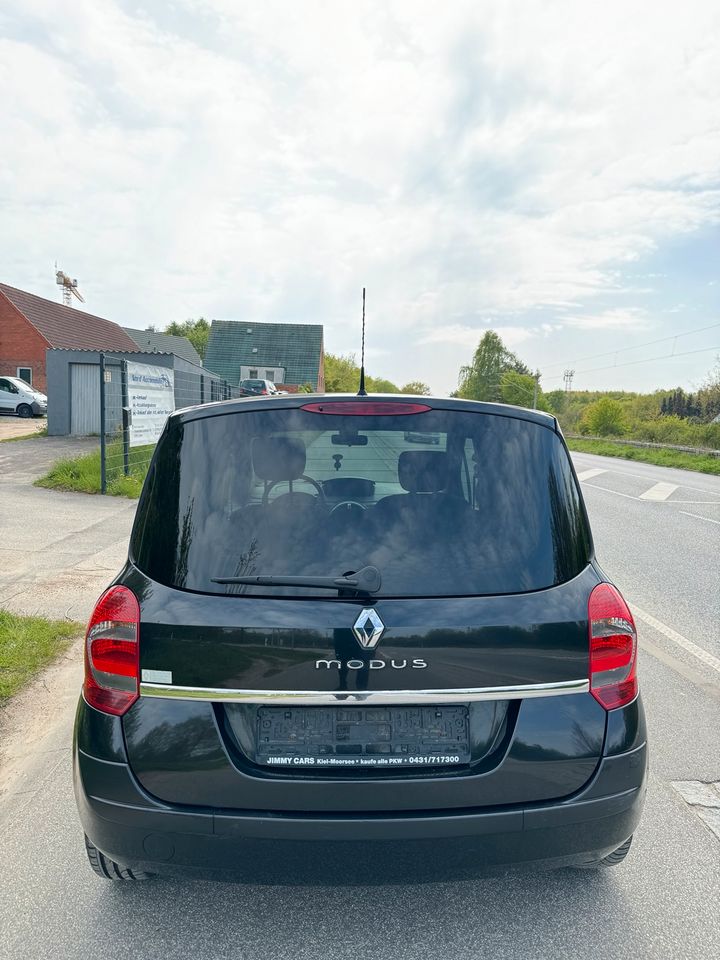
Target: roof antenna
(362, 392)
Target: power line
(631, 363)
(639, 346)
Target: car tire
(24, 411)
(611, 860)
(109, 870)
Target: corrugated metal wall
(84, 399)
(74, 388)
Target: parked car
(17, 396)
(256, 388)
(416, 436)
(421, 675)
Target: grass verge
(27, 644)
(82, 474)
(662, 458)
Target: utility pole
(535, 389)
(568, 378)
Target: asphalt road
(663, 549)
(59, 550)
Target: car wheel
(109, 870)
(24, 411)
(611, 860)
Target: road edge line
(707, 658)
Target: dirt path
(34, 730)
(19, 427)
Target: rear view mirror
(349, 438)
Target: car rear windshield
(442, 503)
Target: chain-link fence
(135, 400)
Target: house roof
(154, 342)
(67, 327)
(295, 346)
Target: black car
(257, 388)
(333, 655)
(415, 436)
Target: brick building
(29, 325)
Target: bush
(604, 418)
(703, 463)
(674, 429)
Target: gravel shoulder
(34, 726)
(11, 427)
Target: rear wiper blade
(365, 580)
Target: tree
(417, 388)
(379, 385)
(708, 396)
(681, 404)
(197, 332)
(342, 374)
(555, 400)
(520, 390)
(603, 418)
(483, 378)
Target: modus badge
(368, 628)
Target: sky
(549, 170)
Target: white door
(8, 396)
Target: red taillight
(112, 660)
(366, 408)
(613, 648)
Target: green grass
(82, 474)
(26, 436)
(27, 644)
(700, 462)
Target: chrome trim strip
(324, 698)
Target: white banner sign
(151, 396)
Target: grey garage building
(73, 388)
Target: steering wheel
(350, 507)
(314, 483)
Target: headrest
(278, 458)
(423, 471)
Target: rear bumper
(131, 827)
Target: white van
(17, 396)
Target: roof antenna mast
(362, 392)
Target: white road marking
(698, 517)
(659, 491)
(587, 474)
(629, 496)
(707, 658)
(577, 458)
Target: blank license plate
(326, 737)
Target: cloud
(630, 318)
(469, 336)
(268, 160)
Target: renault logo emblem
(368, 628)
